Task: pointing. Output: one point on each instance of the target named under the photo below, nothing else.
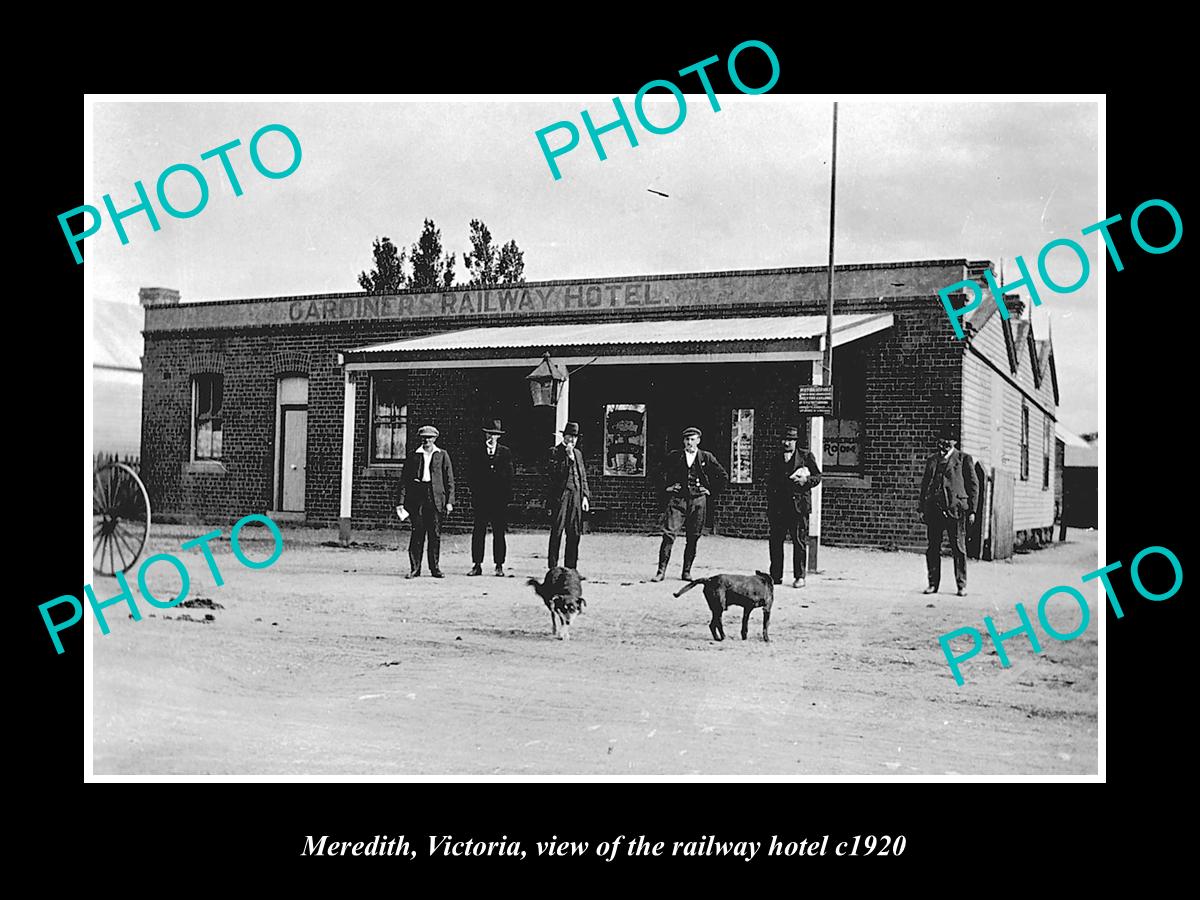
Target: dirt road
(330, 662)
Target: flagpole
(825, 376)
(828, 361)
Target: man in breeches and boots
(949, 492)
(790, 480)
(568, 498)
(690, 477)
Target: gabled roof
(981, 316)
(1010, 345)
(1045, 358)
(1034, 360)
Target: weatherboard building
(304, 407)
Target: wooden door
(977, 533)
(1003, 494)
(293, 457)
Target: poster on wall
(741, 455)
(625, 439)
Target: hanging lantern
(546, 381)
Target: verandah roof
(768, 338)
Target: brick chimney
(157, 296)
(1016, 306)
(976, 268)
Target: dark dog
(563, 594)
(746, 591)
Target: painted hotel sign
(463, 305)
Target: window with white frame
(389, 420)
(208, 392)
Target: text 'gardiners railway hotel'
(306, 405)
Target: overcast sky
(748, 186)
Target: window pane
(387, 420)
(216, 439)
(203, 395)
(829, 457)
(204, 440)
(218, 394)
(388, 396)
(849, 443)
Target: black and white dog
(562, 592)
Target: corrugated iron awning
(667, 340)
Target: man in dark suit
(949, 492)
(568, 498)
(427, 494)
(491, 491)
(689, 477)
(792, 476)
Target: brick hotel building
(304, 407)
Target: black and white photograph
(529, 436)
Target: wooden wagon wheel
(120, 518)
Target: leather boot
(689, 556)
(664, 558)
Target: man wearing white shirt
(689, 477)
(427, 494)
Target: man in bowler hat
(790, 480)
(568, 498)
(689, 476)
(491, 470)
(949, 492)
(427, 494)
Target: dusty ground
(330, 662)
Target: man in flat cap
(689, 477)
(491, 469)
(949, 492)
(427, 494)
(568, 498)
(790, 480)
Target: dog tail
(533, 583)
(691, 584)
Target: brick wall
(914, 385)
(913, 389)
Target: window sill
(846, 479)
(205, 467)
